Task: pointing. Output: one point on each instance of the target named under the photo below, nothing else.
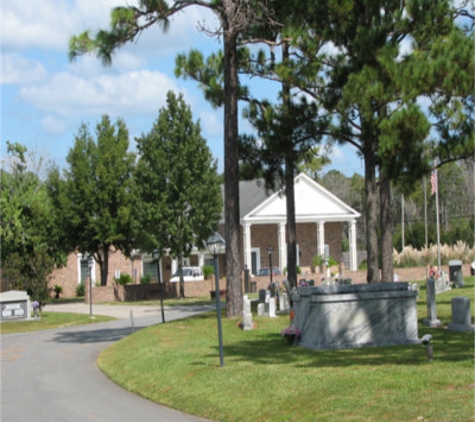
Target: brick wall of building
(67, 277)
(265, 235)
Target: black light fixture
(217, 246)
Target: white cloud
(211, 124)
(16, 69)
(137, 92)
(53, 125)
(50, 24)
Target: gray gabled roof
(313, 203)
(252, 193)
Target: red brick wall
(133, 292)
(67, 277)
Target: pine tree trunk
(291, 229)
(371, 217)
(387, 267)
(231, 177)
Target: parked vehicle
(266, 271)
(189, 274)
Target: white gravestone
(431, 320)
(268, 296)
(247, 323)
(284, 304)
(261, 309)
(272, 307)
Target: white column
(201, 259)
(321, 238)
(247, 246)
(353, 258)
(282, 247)
(174, 266)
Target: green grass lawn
(48, 321)
(264, 379)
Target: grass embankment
(264, 379)
(50, 320)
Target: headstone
(247, 323)
(442, 283)
(246, 304)
(431, 319)
(455, 273)
(272, 307)
(267, 299)
(15, 305)
(284, 305)
(461, 316)
(261, 309)
(262, 295)
(458, 281)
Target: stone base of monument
(352, 316)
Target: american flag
(433, 182)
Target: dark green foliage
(29, 236)
(207, 271)
(93, 201)
(146, 279)
(124, 279)
(80, 290)
(176, 183)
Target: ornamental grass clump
(410, 257)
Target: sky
(45, 97)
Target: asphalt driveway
(49, 376)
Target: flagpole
(437, 220)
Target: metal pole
(437, 221)
(90, 291)
(160, 286)
(218, 311)
(270, 263)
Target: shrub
(207, 271)
(57, 289)
(124, 279)
(146, 279)
(80, 292)
(320, 260)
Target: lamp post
(216, 246)
(269, 251)
(90, 287)
(160, 285)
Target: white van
(189, 274)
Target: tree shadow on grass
(271, 349)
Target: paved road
(52, 376)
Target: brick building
(319, 218)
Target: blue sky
(45, 98)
